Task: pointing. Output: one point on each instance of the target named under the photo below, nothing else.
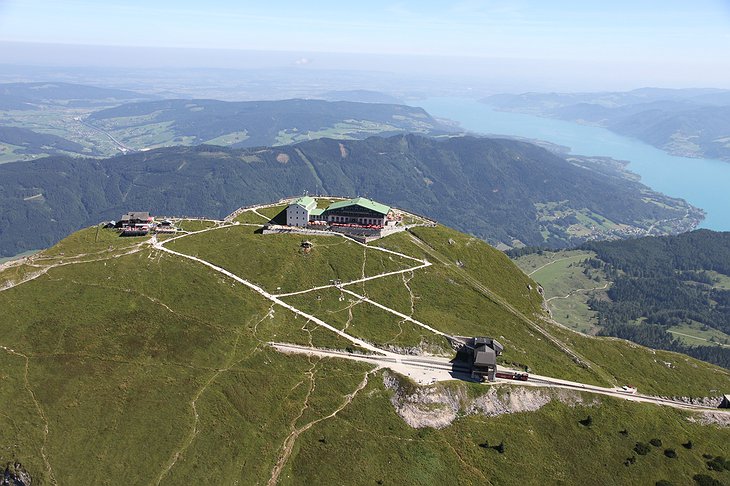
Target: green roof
(363, 202)
(316, 211)
(307, 202)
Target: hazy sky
(680, 41)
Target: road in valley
(122, 147)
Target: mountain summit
(266, 354)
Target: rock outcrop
(438, 406)
(15, 475)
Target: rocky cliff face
(439, 406)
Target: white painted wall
(296, 215)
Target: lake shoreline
(701, 182)
(596, 125)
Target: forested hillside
(663, 283)
(500, 190)
(669, 292)
(31, 142)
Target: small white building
(297, 213)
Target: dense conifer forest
(663, 282)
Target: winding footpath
(575, 291)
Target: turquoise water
(704, 183)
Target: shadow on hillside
(461, 366)
(280, 218)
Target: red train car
(512, 375)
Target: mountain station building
(484, 357)
(135, 217)
(359, 211)
(135, 223)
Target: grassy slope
(367, 321)
(194, 224)
(249, 217)
(550, 272)
(134, 341)
(698, 334)
(278, 263)
(615, 362)
(561, 277)
(124, 353)
(272, 212)
(544, 447)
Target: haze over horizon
(561, 45)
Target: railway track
(396, 361)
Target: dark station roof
(489, 342)
(725, 403)
(484, 356)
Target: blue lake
(704, 183)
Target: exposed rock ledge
(711, 418)
(438, 406)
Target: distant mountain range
(257, 123)
(686, 122)
(28, 96)
(40, 119)
(505, 191)
(361, 96)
